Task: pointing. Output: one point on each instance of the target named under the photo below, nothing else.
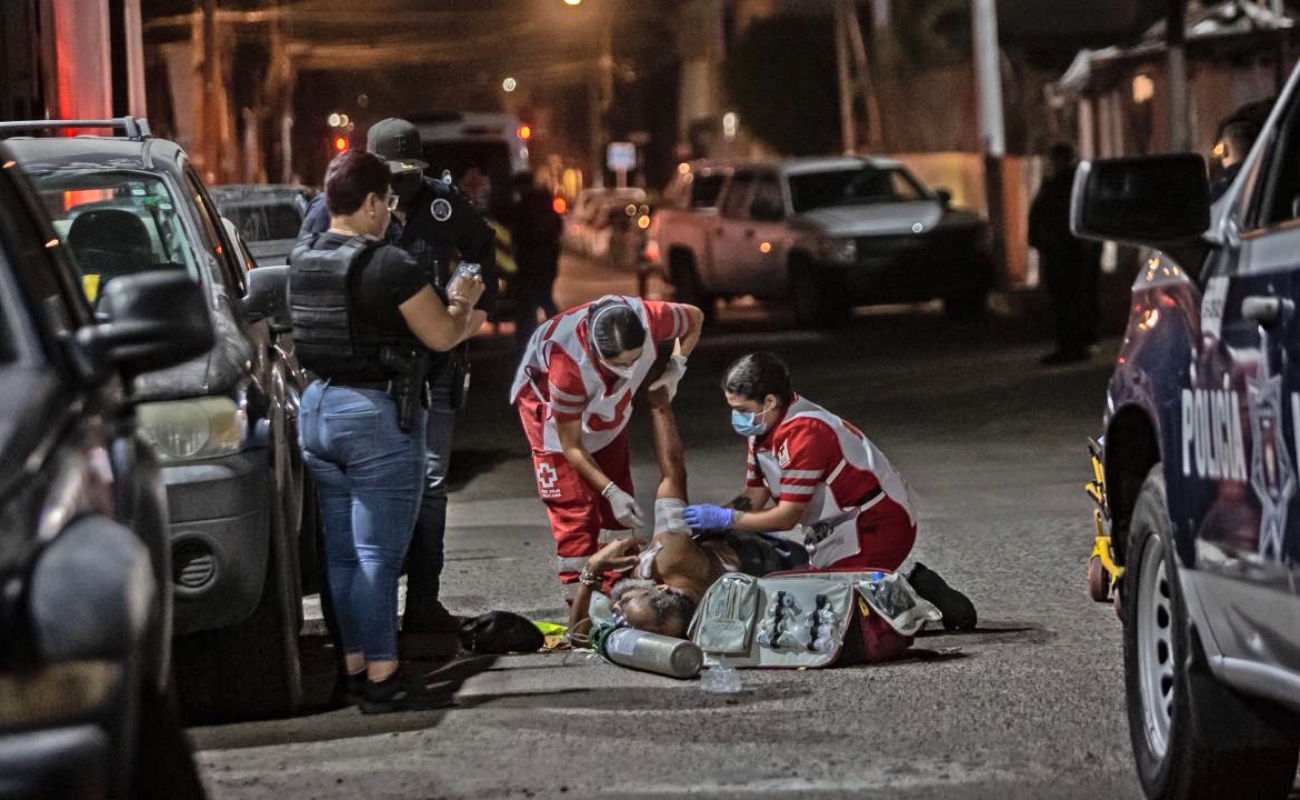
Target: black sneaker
(957, 609)
(397, 692)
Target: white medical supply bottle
(651, 652)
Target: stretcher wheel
(1098, 580)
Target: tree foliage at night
(781, 81)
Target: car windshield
(116, 223)
(853, 187)
(265, 222)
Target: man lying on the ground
(656, 586)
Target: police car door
(1245, 405)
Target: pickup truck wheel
(686, 284)
(250, 670)
(817, 301)
(1172, 697)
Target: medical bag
(809, 619)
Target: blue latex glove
(708, 517)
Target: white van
(495, 143)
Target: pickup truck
(825, 233)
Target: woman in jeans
(368, 470)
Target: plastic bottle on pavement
(721, 678)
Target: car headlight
(839, 251)
(187, 429)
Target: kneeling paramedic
(825, 476)
(365, 320)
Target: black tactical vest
(328, 336)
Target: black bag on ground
(499, 632)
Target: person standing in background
(1071, 267)
(535, 231)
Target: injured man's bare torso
(669, 575)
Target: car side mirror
(1162, 202)
(152, 320)
(267, 297)
(1149, 200)
(945, 197)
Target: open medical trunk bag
(802, 619)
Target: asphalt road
(993, 446)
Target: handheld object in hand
(467, 270)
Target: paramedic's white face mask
(623, 372)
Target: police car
(1202, 449)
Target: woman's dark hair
(757, 375)
(351, 177)
(614, 327)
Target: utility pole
(209, 75)
(866, 88)
(1176, 44)
(988, 80)
(1283, 54)
(854, 78)
(848, 134)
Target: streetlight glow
(335, 120)
(509, 84)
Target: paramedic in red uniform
(818, 469)
(574, 392)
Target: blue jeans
(368, 473)
(425, 560)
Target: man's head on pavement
(398, 143)
(616, 334)
(758, 389)
(654, 608)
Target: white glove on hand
(626, 511)
(673, 373)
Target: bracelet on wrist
(589, 578)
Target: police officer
(435, 224)
(365, 320)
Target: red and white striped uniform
(818, 458)
(559, 380)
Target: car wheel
(1178, 712)
(250, 670)
(686, 284)
(818, 303)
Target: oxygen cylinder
(652, 652)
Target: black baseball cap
(397, 142)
